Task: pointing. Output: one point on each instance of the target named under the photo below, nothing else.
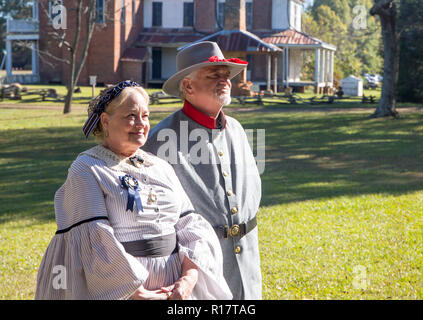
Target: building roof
(166, 37)
(240, 40)
(135, 54)
(292, 37)
(230, 40)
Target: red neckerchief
(202, 119)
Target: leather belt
(236, 230)
(155, 247)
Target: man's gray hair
(191, 76)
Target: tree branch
(75, 43)
(42, 52)
(90, 25)
(380, 7)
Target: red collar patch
(202, 119)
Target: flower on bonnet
(233, 60)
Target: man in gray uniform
(213, 160)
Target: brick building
(139, 40)
(111, 56)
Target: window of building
(133, 12)
(249, 14)
(188, 14)
(296, 17)
(299, 12)
(99, 11)
(221, 14)
(157, 14)
(157, 63)
(123, 13)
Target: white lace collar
(117, 162)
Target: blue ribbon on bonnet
(131, 184)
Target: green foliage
(410, 82)
(340, 7)
(358, 50)
(369, 43)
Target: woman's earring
(106, 133)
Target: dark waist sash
(155, 247)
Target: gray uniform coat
(218, 172)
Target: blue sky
(308, 2)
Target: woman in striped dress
(126, 228)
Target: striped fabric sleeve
(106, 270)
(109, 271)
(95, 265)
(80, 197)
(198, 242)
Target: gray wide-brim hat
(196, 56)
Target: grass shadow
(311, 156)
(34, 163)
(308, 156)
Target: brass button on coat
(220, 153)
(234, 210)
(229, 193)
(225, 174)
(237, 249)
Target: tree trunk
(70, 85)
(387, 11)
(68, 99)
(76, 67)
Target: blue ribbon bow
(131, 184)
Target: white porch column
(275, 73)
(283, 66)
(269, 71)
(287, 67)
(328, 55)
(322, 68)
(35, 10)
(317, 68)
(332, 54)
(34, 57)
(9, 57)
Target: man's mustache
(225, 88)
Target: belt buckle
(235, 230)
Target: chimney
(235, 15)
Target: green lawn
(79, 99)
(82, 98)
(341, 194)
(341, 210)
